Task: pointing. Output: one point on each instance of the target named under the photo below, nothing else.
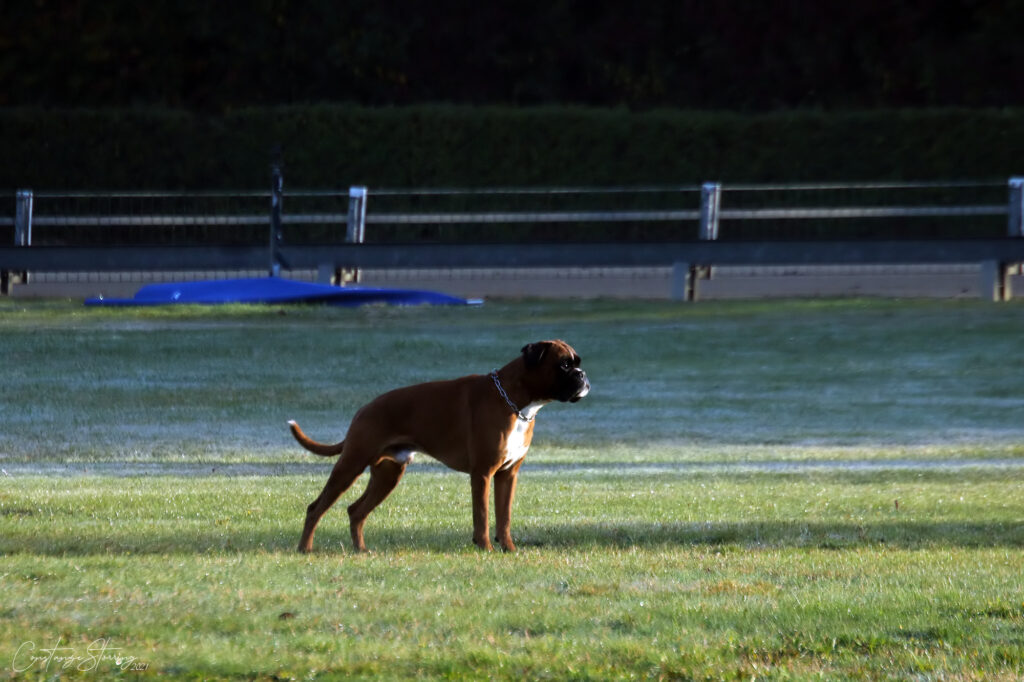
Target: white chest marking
(515, 444)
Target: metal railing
(231, 224)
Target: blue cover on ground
(273, 290)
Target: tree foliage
(704, 54)
(438, 146)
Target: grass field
(792, 490)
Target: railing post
(276, 235)
(710, 200)
(1000, 288)
(995, 281)
(355, 232)
(22, 235)
(684, 284)
(23, 218)
(1015, 226)
(1016, 207)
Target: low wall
(910, 281)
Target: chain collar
(501, 390)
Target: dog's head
(553, 367)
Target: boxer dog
(481, 425)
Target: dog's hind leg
(346, 471)
(384, 476)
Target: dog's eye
(566, 364)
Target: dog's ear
(533, 353)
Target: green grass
(929, 380)
(647, 551)
(650, 576)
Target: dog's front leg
(504, 494)
(481, 491)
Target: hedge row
(439, 146)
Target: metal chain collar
(501, 390)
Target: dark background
(126, 94)
(704, 54)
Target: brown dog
(481, 425)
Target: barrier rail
(691, 256)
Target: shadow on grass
(825, 470)
(785, 534)
(823, 535)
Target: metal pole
(356, 229)
(1015, 225)
(683, 283)
(23, 224)
(710, 200)
(1016, 207)
(355, 232)
(276, 192)
(995, 281)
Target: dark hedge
(442, 146)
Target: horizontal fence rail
(862, 212)
(115, 258)
(528, 217)
(184, 220)
(823, 213)
(191, 228)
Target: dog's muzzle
(583, 386)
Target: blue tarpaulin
(274, 290)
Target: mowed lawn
(787, 490)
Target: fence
(690, 228)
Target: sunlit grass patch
(751, 491)
(758, 575)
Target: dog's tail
(321, 449)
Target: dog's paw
(484, 545)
